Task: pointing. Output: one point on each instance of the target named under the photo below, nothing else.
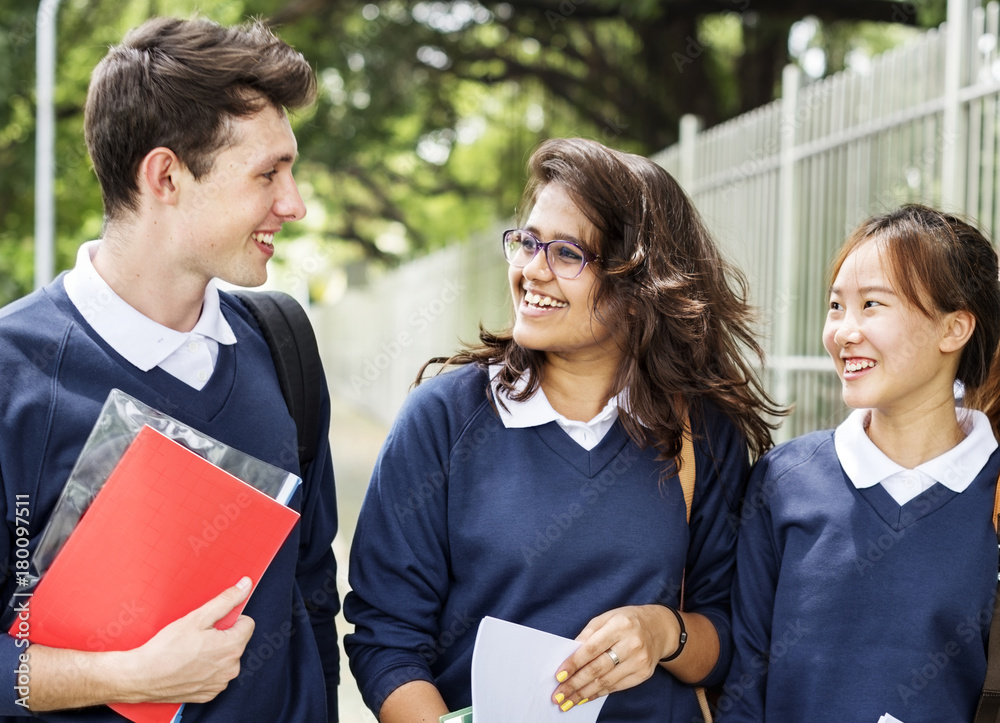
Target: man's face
(231, 214)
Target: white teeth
(265, 238)
(858, 365)
(538, 300)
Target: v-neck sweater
(848, 605)
(465, 518)
(57, 372)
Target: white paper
(514, 674)
(889, 719)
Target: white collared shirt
(536, 411)
(188, 356)
(866, 465)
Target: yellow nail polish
(562, 675)
(560, 697)
(583, 701)
(566, 706)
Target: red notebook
(167, 532)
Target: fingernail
(244, 583)
(583, 701)
(566, 706)
(560, 697)
(562, 675)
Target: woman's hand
(637, 636)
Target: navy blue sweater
(848, 606)
(464, 518)
(57, 374)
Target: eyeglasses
(565, 258)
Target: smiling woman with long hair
(535, 481)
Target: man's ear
(159, 174)
(958, 329)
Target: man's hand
(194, 661)
(189, 661)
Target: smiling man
(185, 123)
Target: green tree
(428, 110)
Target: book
(167, 532)
(458, 716)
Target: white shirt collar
(536, 410)
(142, 341)
(866, 465)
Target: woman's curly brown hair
(687, 326)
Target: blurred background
(788, 122)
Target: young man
(185, 124)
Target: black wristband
(681, 641)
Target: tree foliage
(427, 111)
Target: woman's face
(889, 355)
(552, 314)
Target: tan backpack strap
(687, 475)
(706, 709)
(687, 470)
(996, 506)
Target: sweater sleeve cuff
(379, 689)
(724, 632)
(324, 628)
(14, 683)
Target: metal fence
(780, 187)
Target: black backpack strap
(290, 337)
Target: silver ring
(614, 656)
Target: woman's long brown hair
(687, 326)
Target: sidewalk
(355, 440)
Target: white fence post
(690, 128)
(45, 135)
(787, 240)
(953, 164)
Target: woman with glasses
(535, 482)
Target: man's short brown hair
(176, 83)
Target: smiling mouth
(267, 239)
(539, 301)
(857, 366)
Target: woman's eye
(870, 304)
(568, 253)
